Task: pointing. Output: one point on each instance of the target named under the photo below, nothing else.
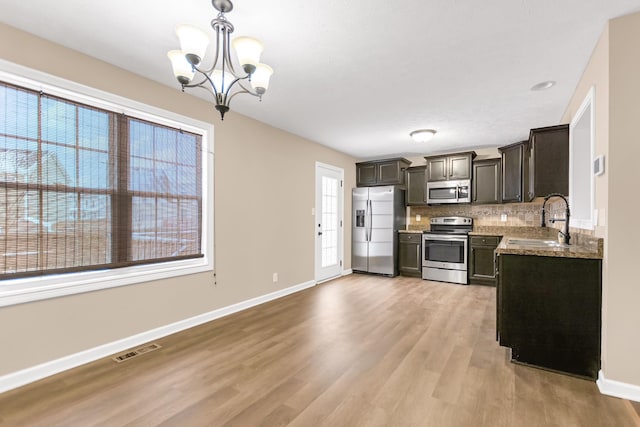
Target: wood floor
(357, 351)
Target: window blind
(85, 188)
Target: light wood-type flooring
(357, 351)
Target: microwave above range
(441, 192)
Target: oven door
(444, 251)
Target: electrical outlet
(503, 217)
(418, 217)
(275, 277)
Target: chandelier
(221, 79)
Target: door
(381, 230)
(328, 221)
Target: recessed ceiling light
(422, 135)
(543, 85)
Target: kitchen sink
(537, 243)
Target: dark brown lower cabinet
(410, 254)
(549, 312)
(482, 269)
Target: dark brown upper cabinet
(487, 182)
(450, 167)
(515, 171)
(416, 186)
(536, 167)
(548, 161)
(381, 172)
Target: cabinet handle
(418, 255)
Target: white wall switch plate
(275, 277)
(503, 217)
(418, 217)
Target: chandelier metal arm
(222, 70)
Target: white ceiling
(360, 75)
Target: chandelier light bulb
(248, 51)
(181, 68)
(193, 42)
(260, 78)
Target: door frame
(316, 213)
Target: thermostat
(598, 166)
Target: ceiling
(360, 75)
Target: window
(85, 190)
(581, 179)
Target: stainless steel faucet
(565, 233)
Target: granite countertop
(582, 246)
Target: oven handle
(448, 238)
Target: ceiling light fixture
(422, 135)
(543, 85)
(221, 78)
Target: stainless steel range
(445, 249)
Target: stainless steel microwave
(449, 192)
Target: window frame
(579, 219)
(34, 288)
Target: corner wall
(614, 69)
(264, 193)
(623, 293)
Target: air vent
(137, 352)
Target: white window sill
(18, 291)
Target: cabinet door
(416, 186)
(409, 257)
(366, 175)
(437, 169)
(487, 182)
(550, 151)
(512, 173)
(481, 265)
(390, 173)
(460, 167)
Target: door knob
(319, 233)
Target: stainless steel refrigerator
(378, 214)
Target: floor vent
(137, 352)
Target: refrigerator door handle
(366, 222)
(370, 214)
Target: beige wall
(623, 291)
(264, 193)
(613, 70)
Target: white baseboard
(347, 272)
(617, 388)
(38, 372)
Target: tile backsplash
(517, 214)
